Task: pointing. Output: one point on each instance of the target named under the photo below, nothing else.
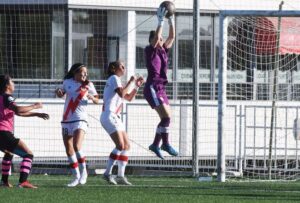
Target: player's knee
(69, 152)
(165, 122)
(30, 156)
(120, 146)
(8, 156)
(76, 148)
(27, 155)
(24, 153)
(127, 147)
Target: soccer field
(150, 189)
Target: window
(89, 37)
(145, 22)
(25, 43)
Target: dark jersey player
(9, 144)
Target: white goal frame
(222, 80)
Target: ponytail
(111, 70)
(4, 81)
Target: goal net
(40, 40)
(261, 49)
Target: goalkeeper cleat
(168, 148)
(156, 150)
(83, 177)
(110, 179)
(122, 181)
(74, 182)
(7, 185)
(26, 184)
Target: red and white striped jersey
(112, 101)
(76, 100)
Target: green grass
(151, 189)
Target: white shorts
(111, 122)
(68, 129)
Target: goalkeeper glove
(161, 13)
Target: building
(40, 39)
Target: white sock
(81, 161)
(111, 161)
(74, 165)
(122, 162)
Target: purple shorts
(155, 95)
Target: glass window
(25, 40)
(4, 67)
(89, 37)
(184, 29)
(58, 45)
(145, 22)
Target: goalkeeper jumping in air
(156, 56)
(9, 144)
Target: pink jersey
(6, 114)
(76, 100)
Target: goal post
(250, 41)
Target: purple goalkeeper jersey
(157, 64)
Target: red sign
(265, 38)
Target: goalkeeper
(156, 56)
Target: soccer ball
(169, 6)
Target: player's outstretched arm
(161, 13)
(35, 114)
(24, 109)
(169, 41)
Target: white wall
(44, 137)
(212, 5)
(122, 24)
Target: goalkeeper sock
(164, 129)
(157, 137)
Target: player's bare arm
(138, 83)
(35, 114)
(93, 98)
(23, 109)
(169, 41)
(161, 12)
(59, 92)
(122, 91)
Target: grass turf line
(52, 188)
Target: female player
(9, 144)
(156, 56)
(114, 94)
(78, 91)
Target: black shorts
(8, 141)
